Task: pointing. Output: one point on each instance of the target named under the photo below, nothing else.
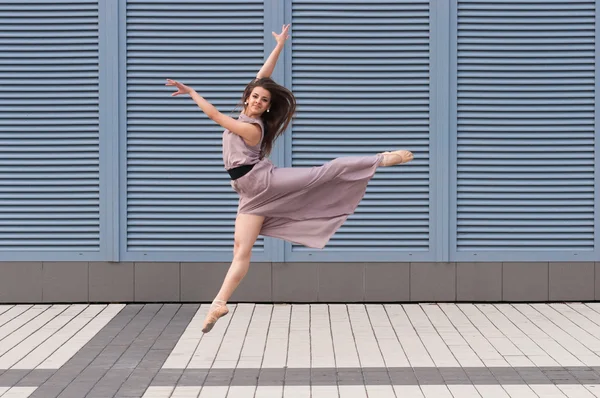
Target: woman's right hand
(181, 88)
(283, 36)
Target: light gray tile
(571, 281)
(433, 281)
(295, 282)
(479, 281)
(65, 282)
(387, 282)
(21, 282)
(200, 282)
(156, 282)
(256, 286)
(111, 282)
(341, 282)
(525, 281)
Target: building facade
(112, 190)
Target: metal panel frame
(110, 107)
(106, 40)
(287, 136)
(453, 130)
(122, 29)
(179, 256)
(122, 49)
(440, 44)
(443, 151)
(596, 255)
(437, 149)
(500, 255)
(274, 18)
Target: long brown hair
(281, 111)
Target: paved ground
(415, 350)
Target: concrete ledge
(21, 282)
(525, 281)
(157, 282)
(571, 281)
(80, 282)
(478, 281)
(65, 282)
(111, 282)
(597, 270)
(432, 281)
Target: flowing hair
(281, 111)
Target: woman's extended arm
(251, 133)
(267, 69)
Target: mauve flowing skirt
(305, 205)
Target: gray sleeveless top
(235, 150)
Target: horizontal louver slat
(525, 125)
(360, 73)
(179, 198)
(49, 127)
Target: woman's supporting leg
(247, 228)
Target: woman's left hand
(181, 88)
(283, 36)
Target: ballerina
(301, 205)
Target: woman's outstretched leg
(247, 228)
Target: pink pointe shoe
(217, 310)
(396, 157)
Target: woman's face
(258, 102)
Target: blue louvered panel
(360, 72)
(179, 197)
(49, 127)
(525, 171)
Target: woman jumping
(301, 205)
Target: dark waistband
(240, 171)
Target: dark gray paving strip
(454, 376)
(507, 375)
(126, 357)
(586, 375)
(427, 376)
(139, 380)
(245, 377)
(69, 371)
(559, 375)
(481, 375)
(35, 377)
(214, 377)
(25, 377)
(271, 377)
(87, 379)
(172, 377)
(403, 376)
(110, 383)
(375, 376)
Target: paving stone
(125, 357)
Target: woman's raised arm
(267, 69)
(250, 133)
